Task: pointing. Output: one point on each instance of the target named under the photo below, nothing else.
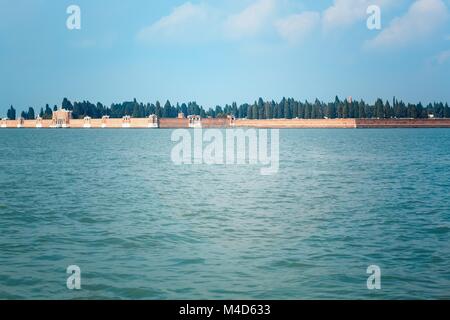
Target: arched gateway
(61, 118)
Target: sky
(221, 51)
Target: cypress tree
(31, 114)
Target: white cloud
(187, 22)
(296, 27)
(190, 22)
(251, 21)
(346, 12)
(422, 19)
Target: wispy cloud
(193, 22)
(251, 21)
(297, 27)
(423, 18)
(186, 22)
(344, 13)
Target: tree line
(260, 109)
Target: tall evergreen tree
(11, 113)
(446, 111)
(388, 110)
(268, 110)
(235, 109)
(281, 109)
(249, 112)
(167, 110)
(379, 109)
(66, 104)
(48, 112)
(158, 111)
(31, 114)
(345, 110)
(255, 113)
(362, 110)
(308, 110)
(287, 109)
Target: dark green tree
(388, 110)
(158, 111)
(379, 109)
(31, 114)
(308, 110)
(167, 110)
(11, 113)
(446, 111)
(255, 111)
(48, 113)
(362, 110)
(249, 112)
(66, 104)
(287, 109)
(281, 109)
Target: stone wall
(297, 123)
(173, 123)
(403, 123)
(225, 123)
(215, 123)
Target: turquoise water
(139, 227)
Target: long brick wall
(224, 123)
(297, 123)
(173, 123)
(215, 123)
(403, 123)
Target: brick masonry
(141, 123)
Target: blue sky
(217, 52)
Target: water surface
(139, 227)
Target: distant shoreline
(174, 123)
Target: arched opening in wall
(105, 121)
(38, 122)
(87, 122)
(153, 121)
(195, 121)
(126, 122)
